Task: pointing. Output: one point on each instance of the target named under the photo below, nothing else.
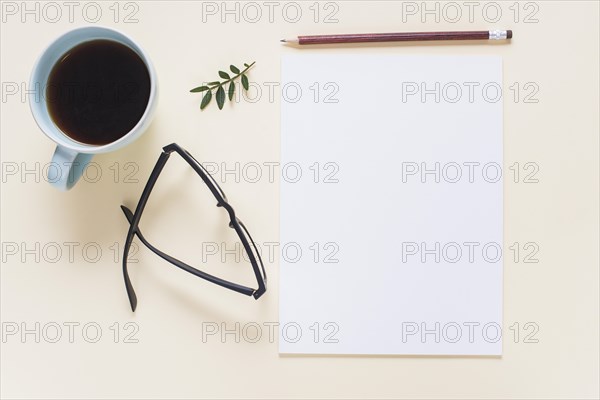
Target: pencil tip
(282, 40)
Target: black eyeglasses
(235, 223)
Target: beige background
(559, 294)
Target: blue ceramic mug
(71, 156)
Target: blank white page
(391, 205)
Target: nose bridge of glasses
(230, 211)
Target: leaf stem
(235, 77)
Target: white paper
(360, 132)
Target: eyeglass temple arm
(135, 220)
(258, 266)
(178, 263)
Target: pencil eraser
(509, 34)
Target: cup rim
(62, 139)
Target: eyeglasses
(235, 223)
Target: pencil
(401, 37)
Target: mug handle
(69, 167)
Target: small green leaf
(231, 90)
(206, 100)
(221, 91)
(220, 97)
(199, 89)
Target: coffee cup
(97, 93)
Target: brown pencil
(401, 37)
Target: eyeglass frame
(234, 223)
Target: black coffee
(98, 91)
